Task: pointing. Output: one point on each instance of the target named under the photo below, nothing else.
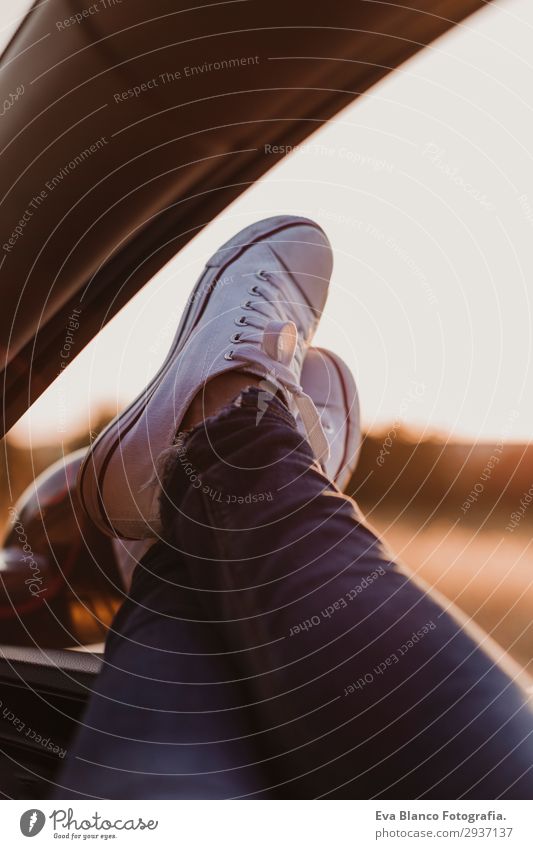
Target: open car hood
(127, 129)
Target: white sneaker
(254, 309)
(329, 382)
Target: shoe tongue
(279, 341)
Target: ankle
(215, 395)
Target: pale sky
(425, 188)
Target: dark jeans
(271, 648)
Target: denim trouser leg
(166, 720)
(362, 684)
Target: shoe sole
(93, 469)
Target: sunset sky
(425, 188)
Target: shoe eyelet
(261, 274)
(246, 305)
(253, 290)
(241, 322)
(235, 338)
(228, 355)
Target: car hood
(127, 127)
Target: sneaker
(330, 383)
(254, 309)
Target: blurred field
(488, 575)
(415, 495)
(443, 509)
